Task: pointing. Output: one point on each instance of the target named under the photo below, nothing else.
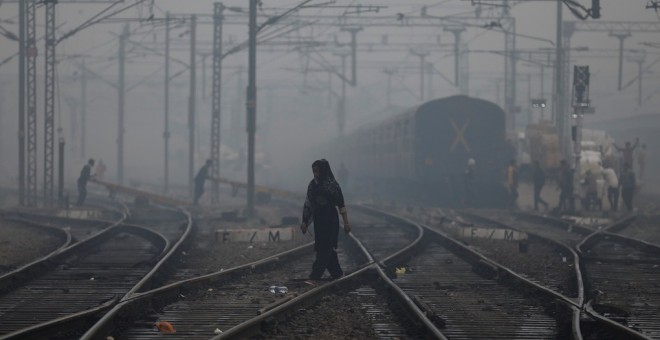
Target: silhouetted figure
(323, 198)
(627, 152)
(200, 179)
(565, 187)
(512, 183)
(469, 182)
(627, 183)
(538, 177)
(612, 186)
(85, 175)
(591, 184)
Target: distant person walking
(565, 187)
(85, 175)
(512, 183)
(539, 181)
(627, 152)
(627, 183)
(612, 186)
(323, 198)
(641, 161)
(200, 179)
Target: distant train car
(423, 152)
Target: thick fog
(298, 99)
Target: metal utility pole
(83, 108)
(457, 46)
(341, 119)
(353, 31)
(191, 104)
(218, 7)
(166, 132)
(235, 136)
(31, 72)
(21, 101)
(49, 102)
(621, 36)
(529, 99)
(639, 59)
(510, 76)
(341, 106)
(120, 104)
(558, 105)
(251, 104)
(464, 79)
(60, 177)
(422, 55)
(429, 88)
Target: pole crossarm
(611, 26)
(366, 21)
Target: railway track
(437, 282)
(82, 279)
(196, 307)
(622, 279)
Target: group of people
(623, 185)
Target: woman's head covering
(324, 169)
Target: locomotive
(422, 153)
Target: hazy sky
(293, 109)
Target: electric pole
(422, 55)
(457, 45)
(191, 106)
(49, 102)
(621, 36)
(83, 108)
(166, 132)
(251, 105)
(31, 72)
(341, 105)
(21, 101)
(121, 91)
(216, 98)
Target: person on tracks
(200, 179)
(627, 183)
(612, 186)
(628, 152)
(324, 197)
(85, 175)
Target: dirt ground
(21, 244)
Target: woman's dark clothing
(323, 199)
(85, 175)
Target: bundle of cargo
(544, 145)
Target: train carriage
(423, 152)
